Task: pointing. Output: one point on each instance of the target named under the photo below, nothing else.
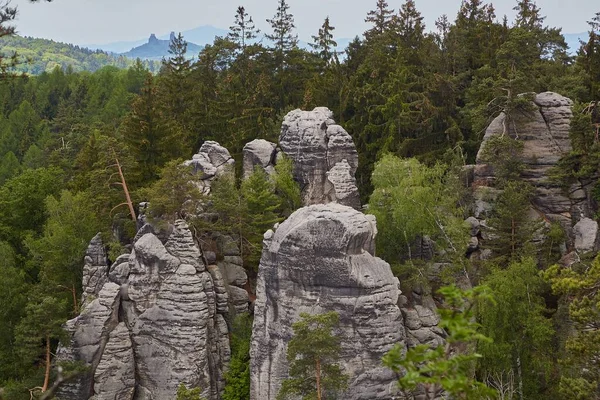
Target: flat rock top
(551, 99)
(326, 228)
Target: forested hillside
(43, 55)
(416, 100)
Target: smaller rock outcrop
(212, 160)
(317, 145)
(259, 152)
(157, 321)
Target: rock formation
(321, 259)
(544, 132)
(259, 152)
(211, 161)
(156, 322)
(324, 156)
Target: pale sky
(104, 21)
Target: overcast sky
(104, 21)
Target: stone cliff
(153, 320)
(321, 259)
(544, 131)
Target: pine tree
(580, 369)
(41, 325)
(381, 19)
(258, 192)
(283, 37)
(589, 59)
(312, 355)
(323, 44)
(243, 31)
(516, 320)
(151, 138)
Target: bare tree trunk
(47, 373)
(318, 373)
(75, 303)
(126, 190)
(520, 377)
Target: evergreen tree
(323, 44)
(312, 355)
(174, 195)
(39, 328)
(61, 248)
(283, 37)
(580, 370)
(589, 60)
(446, 369)
(9, 167)
(237, 378)
(516, 320)
(381, 19)
(258, 191)
(151, 138)
(243, 31)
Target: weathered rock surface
(95, 269)
(321, 259)
(586, 235)
(115, 375)
(259, 152)
(158, 323)
(544, 131)
(212, 160)
(316, 144)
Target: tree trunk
(520, 377)
(318, 373)
(47, 373)
(126, 190)
(75, 303)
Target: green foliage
(510, 223)
(502, 153)
(517, 322)
(579, 375)
(412, 200)
(61, 248)
(42, 55)
(237, 378)
(446, 368)
(312, 355)
(258, 192)
(174, 195)
(184, 393)
(286, 187)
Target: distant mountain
(201, 36)
(156, 49)
(43, 55)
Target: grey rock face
(212, 160)
(89, 333)
(259, 152)
(544, 132)
(115, 375)
(320, 259)
(341, 185)
(160, 325)
(586, 234)
(95, 269)
(316, 144)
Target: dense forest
(402, 90)
(43, 55)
